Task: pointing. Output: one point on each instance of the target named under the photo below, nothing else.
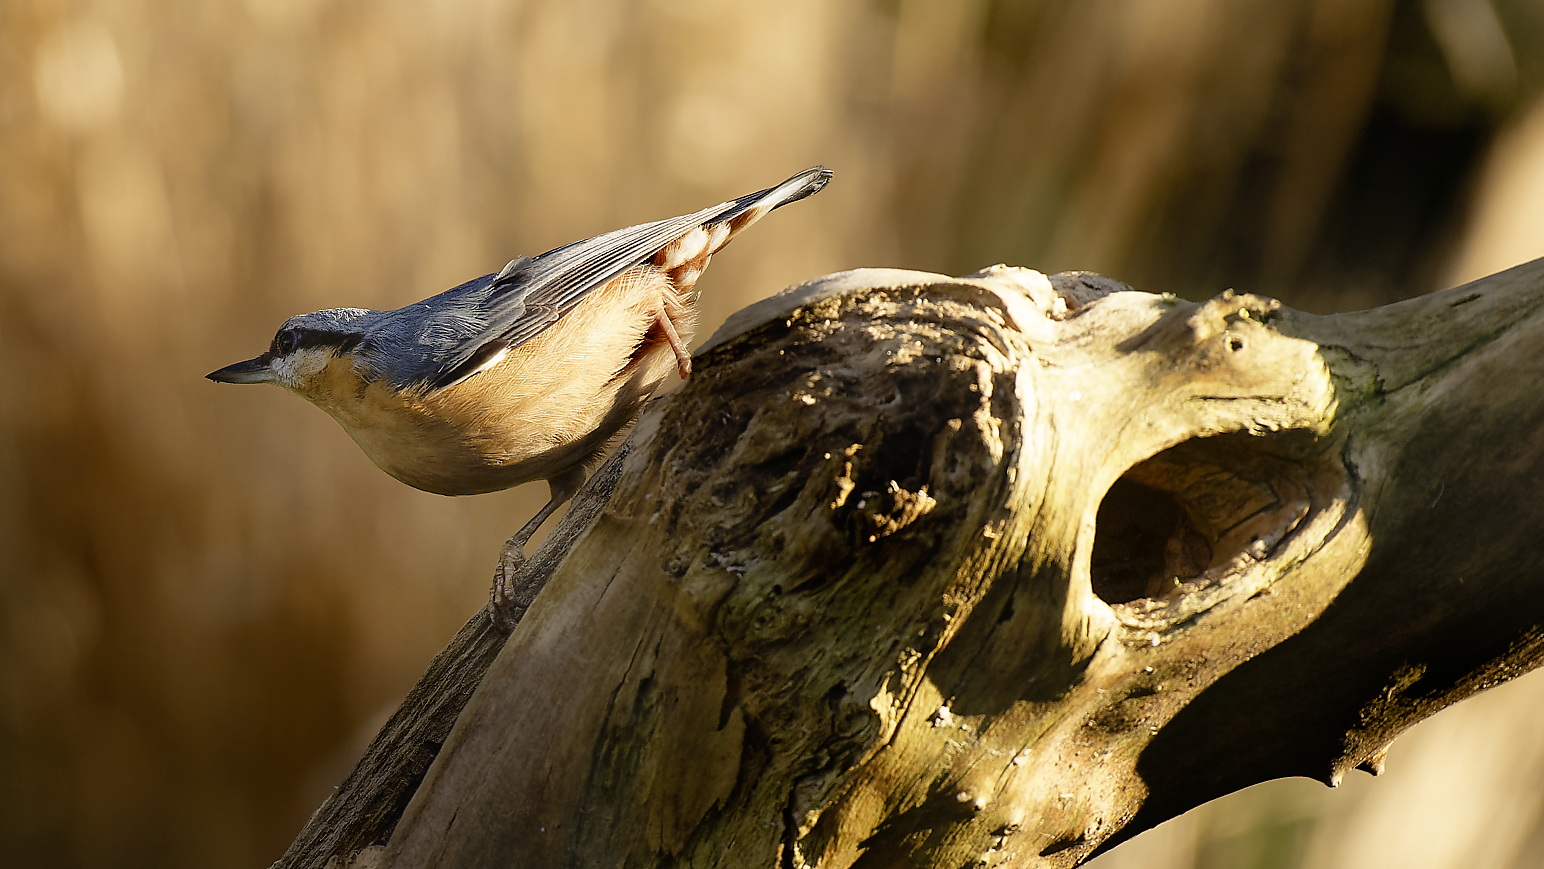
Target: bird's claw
(503, 610)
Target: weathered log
(365, 809)
(998, 570)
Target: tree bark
(998, 571)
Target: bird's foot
(512, 594)
(503, 609)
(683, 355)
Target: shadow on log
(995, 571)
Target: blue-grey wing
(517, 304)
(471, 324)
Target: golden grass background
(209, 598)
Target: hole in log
(1199, 513)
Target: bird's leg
(501, 598)
(683, 356)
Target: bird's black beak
(256, 370)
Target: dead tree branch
(997, 570)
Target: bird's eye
(285, 343)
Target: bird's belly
(487, 434)
(434, 458)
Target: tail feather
(755, 206)
(684, 259)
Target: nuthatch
(521, 375)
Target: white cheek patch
(301, 367)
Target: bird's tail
(749, 209)
(686, 257)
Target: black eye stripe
(290, 340)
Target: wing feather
(499, 312)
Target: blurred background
(209, 599)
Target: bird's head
(304, 350)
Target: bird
(521, 375)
